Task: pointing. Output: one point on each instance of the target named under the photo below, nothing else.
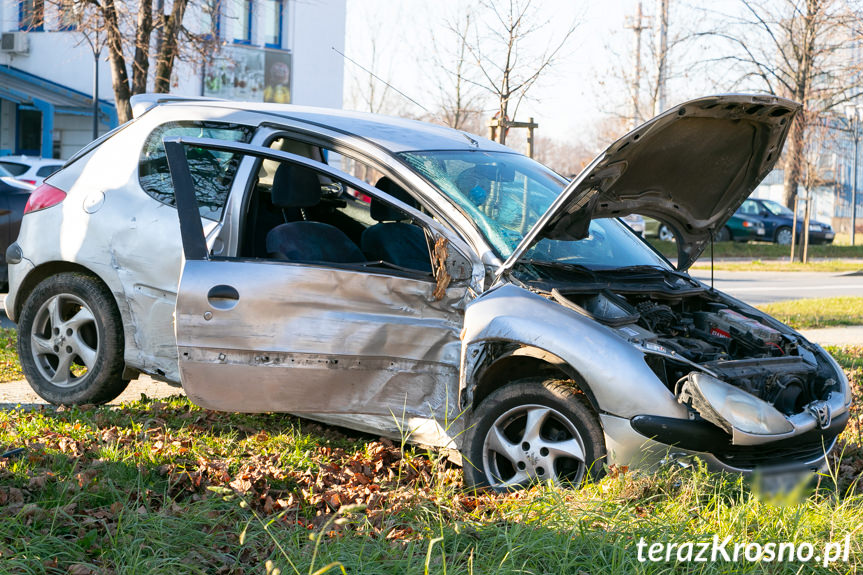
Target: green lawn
(781, 266)
(167, 487)
(814, 313)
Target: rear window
(14, 168)
(212, 171)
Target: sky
(397, 39)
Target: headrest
(383, 212)
(295, 186)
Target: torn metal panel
(328, 383)
(362, 339)
(513, 314)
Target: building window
(31, 15)
(243, 25)
(272, 22)
(212, 18)
(68, 14)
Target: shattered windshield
(506, 194)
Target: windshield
(505, 194)
(777, 209)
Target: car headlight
(814, 228)
(722, 403)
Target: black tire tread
(563, 390)
(108, 381)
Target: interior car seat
(297, 186)
(391, 239)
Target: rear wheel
(723, 235)
(70, 341)
(533, 429)
(783, 236)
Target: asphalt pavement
(765, 287)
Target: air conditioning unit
(14, 43)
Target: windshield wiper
(578, 268)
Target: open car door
(259, 335)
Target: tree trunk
(793, 160)
(165, 60)
(141, 63)
(119, 76)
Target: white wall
(310, 29)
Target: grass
(815, 313)
(168, 487)
(10, 368)
(834, 266)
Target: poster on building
(249, 74)
(277, 86)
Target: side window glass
(212, 171)
(303, 215)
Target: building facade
(262, 50)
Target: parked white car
(402, 278)
(30, 169)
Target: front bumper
(645, 442)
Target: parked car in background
(742, 228)
(30, 169)
(656, 229)
(13, 197)
(635, 223)
(478, 301)
(778, 220)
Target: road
(765, 287)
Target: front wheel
(783, 236)
(665, 233)
(533, 429)
(70, 341)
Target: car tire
(783, 236)
(665, 234)
(723, 235)
(70, 341)
(533, 429)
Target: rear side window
(212, 171)
(13, 168)
(46, 171)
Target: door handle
(223, 297)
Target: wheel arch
(509, 361)
(46, 270)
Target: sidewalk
(849, 335)
(19, 393)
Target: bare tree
(126, 29)
(565, 158)
(459, 101)
(799, 49)
(500, 50)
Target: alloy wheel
(530, 442)
(65, 340)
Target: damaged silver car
(415, 281)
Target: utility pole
(855, 133)
(637, 25)
(662, 46)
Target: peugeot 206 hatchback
(401, 278)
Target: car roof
(392, 133)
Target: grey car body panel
(513, 314)
(691, 167)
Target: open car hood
(690, 167)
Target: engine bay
(698, 332)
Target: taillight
(43, 197)
(31, 182)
